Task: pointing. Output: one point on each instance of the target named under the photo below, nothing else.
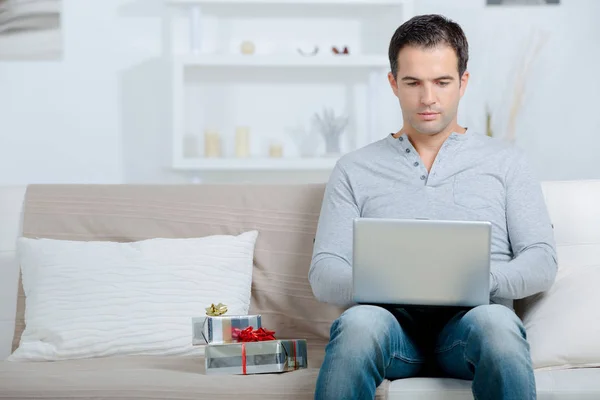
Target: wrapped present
(259, 357)
(222, 329)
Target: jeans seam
(448, 348)
(407, 359)
(468, 361)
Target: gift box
(271, 356)
(221, 329)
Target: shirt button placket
(416, 163)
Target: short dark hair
(429, 31)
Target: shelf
(214, 85)
(341, 61)
(256, 164)
(290, 2)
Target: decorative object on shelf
(190, 146)
(488, 123)
(247, 47)
(331, 128)
(537, 41)
(307, 142)
(242, 141)
(335, 50)
(511, 107)
(308, 53)
(276, 150)
(212, 144)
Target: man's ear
(464, 80)
(393, 83)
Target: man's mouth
(428, 116)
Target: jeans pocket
(410, 360)
(453, 361)
(403, 367)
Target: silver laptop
(417, 262)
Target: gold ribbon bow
(215, 311)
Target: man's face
(428, 87)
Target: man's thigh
(461, 340)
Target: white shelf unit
(214, 86)
(287, 2)
(257, 164)
(266, 61)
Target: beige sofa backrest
(286, 217)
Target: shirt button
(416, 164)
(401, 139)
(423, 177)
(408, 150)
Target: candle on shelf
(247, 47)
(212, 145)
(276, 150)
(242, 142)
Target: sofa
(286, 217)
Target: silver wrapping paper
(273, 356)
(218, 330)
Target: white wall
(60, 121)
(557, 126)
(83, 119)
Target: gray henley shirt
(474, 177)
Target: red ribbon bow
(250, 335)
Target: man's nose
(427, 95)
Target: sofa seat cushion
(568, 384)
(152, 377)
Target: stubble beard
(430, 128)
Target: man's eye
(444, 83)
(412, 83)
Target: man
(436, 169)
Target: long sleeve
(330, 274)
(534, 265)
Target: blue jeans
(486, 344)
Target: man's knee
(363, 325)
(493, 318)
(497, 329)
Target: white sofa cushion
(563, 324)
(100, 299)
(581, 384)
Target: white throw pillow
(100, 299)
(563, 324)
